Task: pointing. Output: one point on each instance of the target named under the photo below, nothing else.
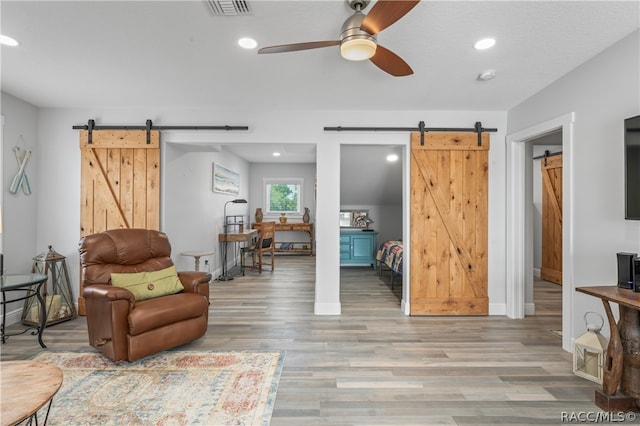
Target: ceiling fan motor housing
(356, 44)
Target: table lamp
(367, 220)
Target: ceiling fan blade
(390, 63)
(385, 13)
(298, 46)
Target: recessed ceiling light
(8, 41)
(276, 154)
(392, 157)
(485, 43)
(247, 43)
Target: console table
(238, 237)
(294, 227)
(621, 370)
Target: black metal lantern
(56, 292)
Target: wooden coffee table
(26, 386)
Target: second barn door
(551, 267)
(449, 220)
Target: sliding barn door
(120, 183)
(551, 268)
(449, 179)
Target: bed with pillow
(390, 257)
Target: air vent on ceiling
(229, 7)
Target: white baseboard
(327, 308)
(14, 317)
(536, 272)
(497, 309)
(501, 309)
(405, 307)
(529, 309)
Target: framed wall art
(225, 181)
(353, 218)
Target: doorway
(547, 232)
(519, 219)
(371, 181)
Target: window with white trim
(283, 195)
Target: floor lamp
(225, 276)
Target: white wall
(19, 236)
(602, 93)
(20, 210)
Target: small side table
(31, 284)
(197, 255)
(26, 387)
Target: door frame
(519, 244)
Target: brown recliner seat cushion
(154, 313)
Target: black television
(632, 168)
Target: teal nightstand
(358, 247)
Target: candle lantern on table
(589, 351)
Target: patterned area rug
(169, 388)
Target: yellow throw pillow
(147, 285)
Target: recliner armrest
(107, 292)
(195, 282)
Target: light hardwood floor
(374, 366)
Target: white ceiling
(177, 54)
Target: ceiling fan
(358, 36)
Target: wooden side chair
(265, 243)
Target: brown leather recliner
(121, 327)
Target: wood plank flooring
(374, 366)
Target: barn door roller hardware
(546, 155)
(421, 128)
(148, 127)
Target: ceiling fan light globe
(358, 49)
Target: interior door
(449, 182)
(551, 267)
(120, 182)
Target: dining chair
(265, 243)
